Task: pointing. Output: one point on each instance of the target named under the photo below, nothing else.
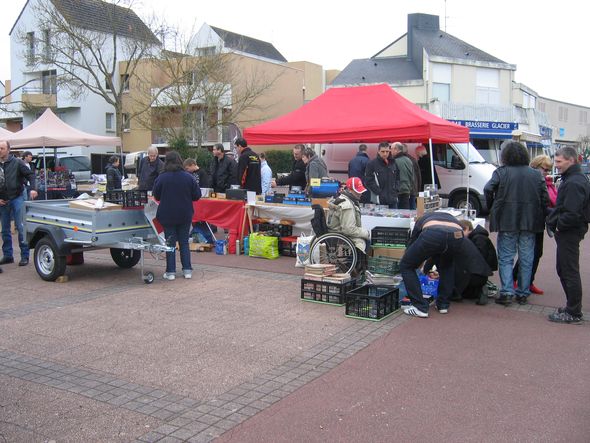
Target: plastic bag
(302, 250)
(263, 246)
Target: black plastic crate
(383, 265)
(370, 302)
(288, 246)
(117, 197)
(135, 199)
(387, 236)
(325, 292)
(280, 230)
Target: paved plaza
(234, 354)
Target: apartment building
(455, 80)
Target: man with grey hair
(569, 222)
(149, 168)
(406, 174)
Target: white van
(450, 160)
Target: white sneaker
(442, 310)
(414, 312)
(169, 276)
(187, 273)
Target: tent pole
(45, 174)
(431, 161)
(468, 203)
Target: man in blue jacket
(569, 222)
(356, 168)
(16, 174)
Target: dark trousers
(536, 259)
(441, 245)
(568, 268)
(403, 201)
(174, 234)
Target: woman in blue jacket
(176, 190)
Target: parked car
(78, 165)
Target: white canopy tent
(49, 131)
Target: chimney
(425, 22)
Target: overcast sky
(547, 41)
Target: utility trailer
(55, 230)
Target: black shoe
(564, 309)
(483, 297)
(504, 300)
(6, 260)
(521, 299)
(23, 262)
(564, 317)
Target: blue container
(429, 286)
(246, 245)
(220, 247)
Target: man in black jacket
(297, 175)
(249, 176)
(382, 177)
(148, 170)
(223, 170)
(517, 195)
(16, 174)
(569, 221)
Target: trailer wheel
(459, 201)
(125, 258)
(148, 278)
(48, 263)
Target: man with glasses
(382, 177)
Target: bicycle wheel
(334, 249)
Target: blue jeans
(178, 233)
(13, 209)
(442, 245)
(509, 243)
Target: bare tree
(202, 91)
(86, 48)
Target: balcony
(160, 137)
(40, 92)
(477, 112)
(193, 95)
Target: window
(107, 83)
(488, 86)
(583, 117)
(125, 82)
(528, 101)
(30, 48)
(562, 114)
(47, 44)
(126, 122)
(49, 81)
(110, 122)
(441, 82)
(446, 157)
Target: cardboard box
(388, 252)
(89, 204)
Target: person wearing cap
(344, 213)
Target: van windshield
(75, 164)
(469, 152)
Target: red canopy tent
(369, 114)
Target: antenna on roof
(446, 16)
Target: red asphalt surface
(478, 374)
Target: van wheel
(459, 201)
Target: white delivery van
(450, 160)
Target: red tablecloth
(226, 214)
